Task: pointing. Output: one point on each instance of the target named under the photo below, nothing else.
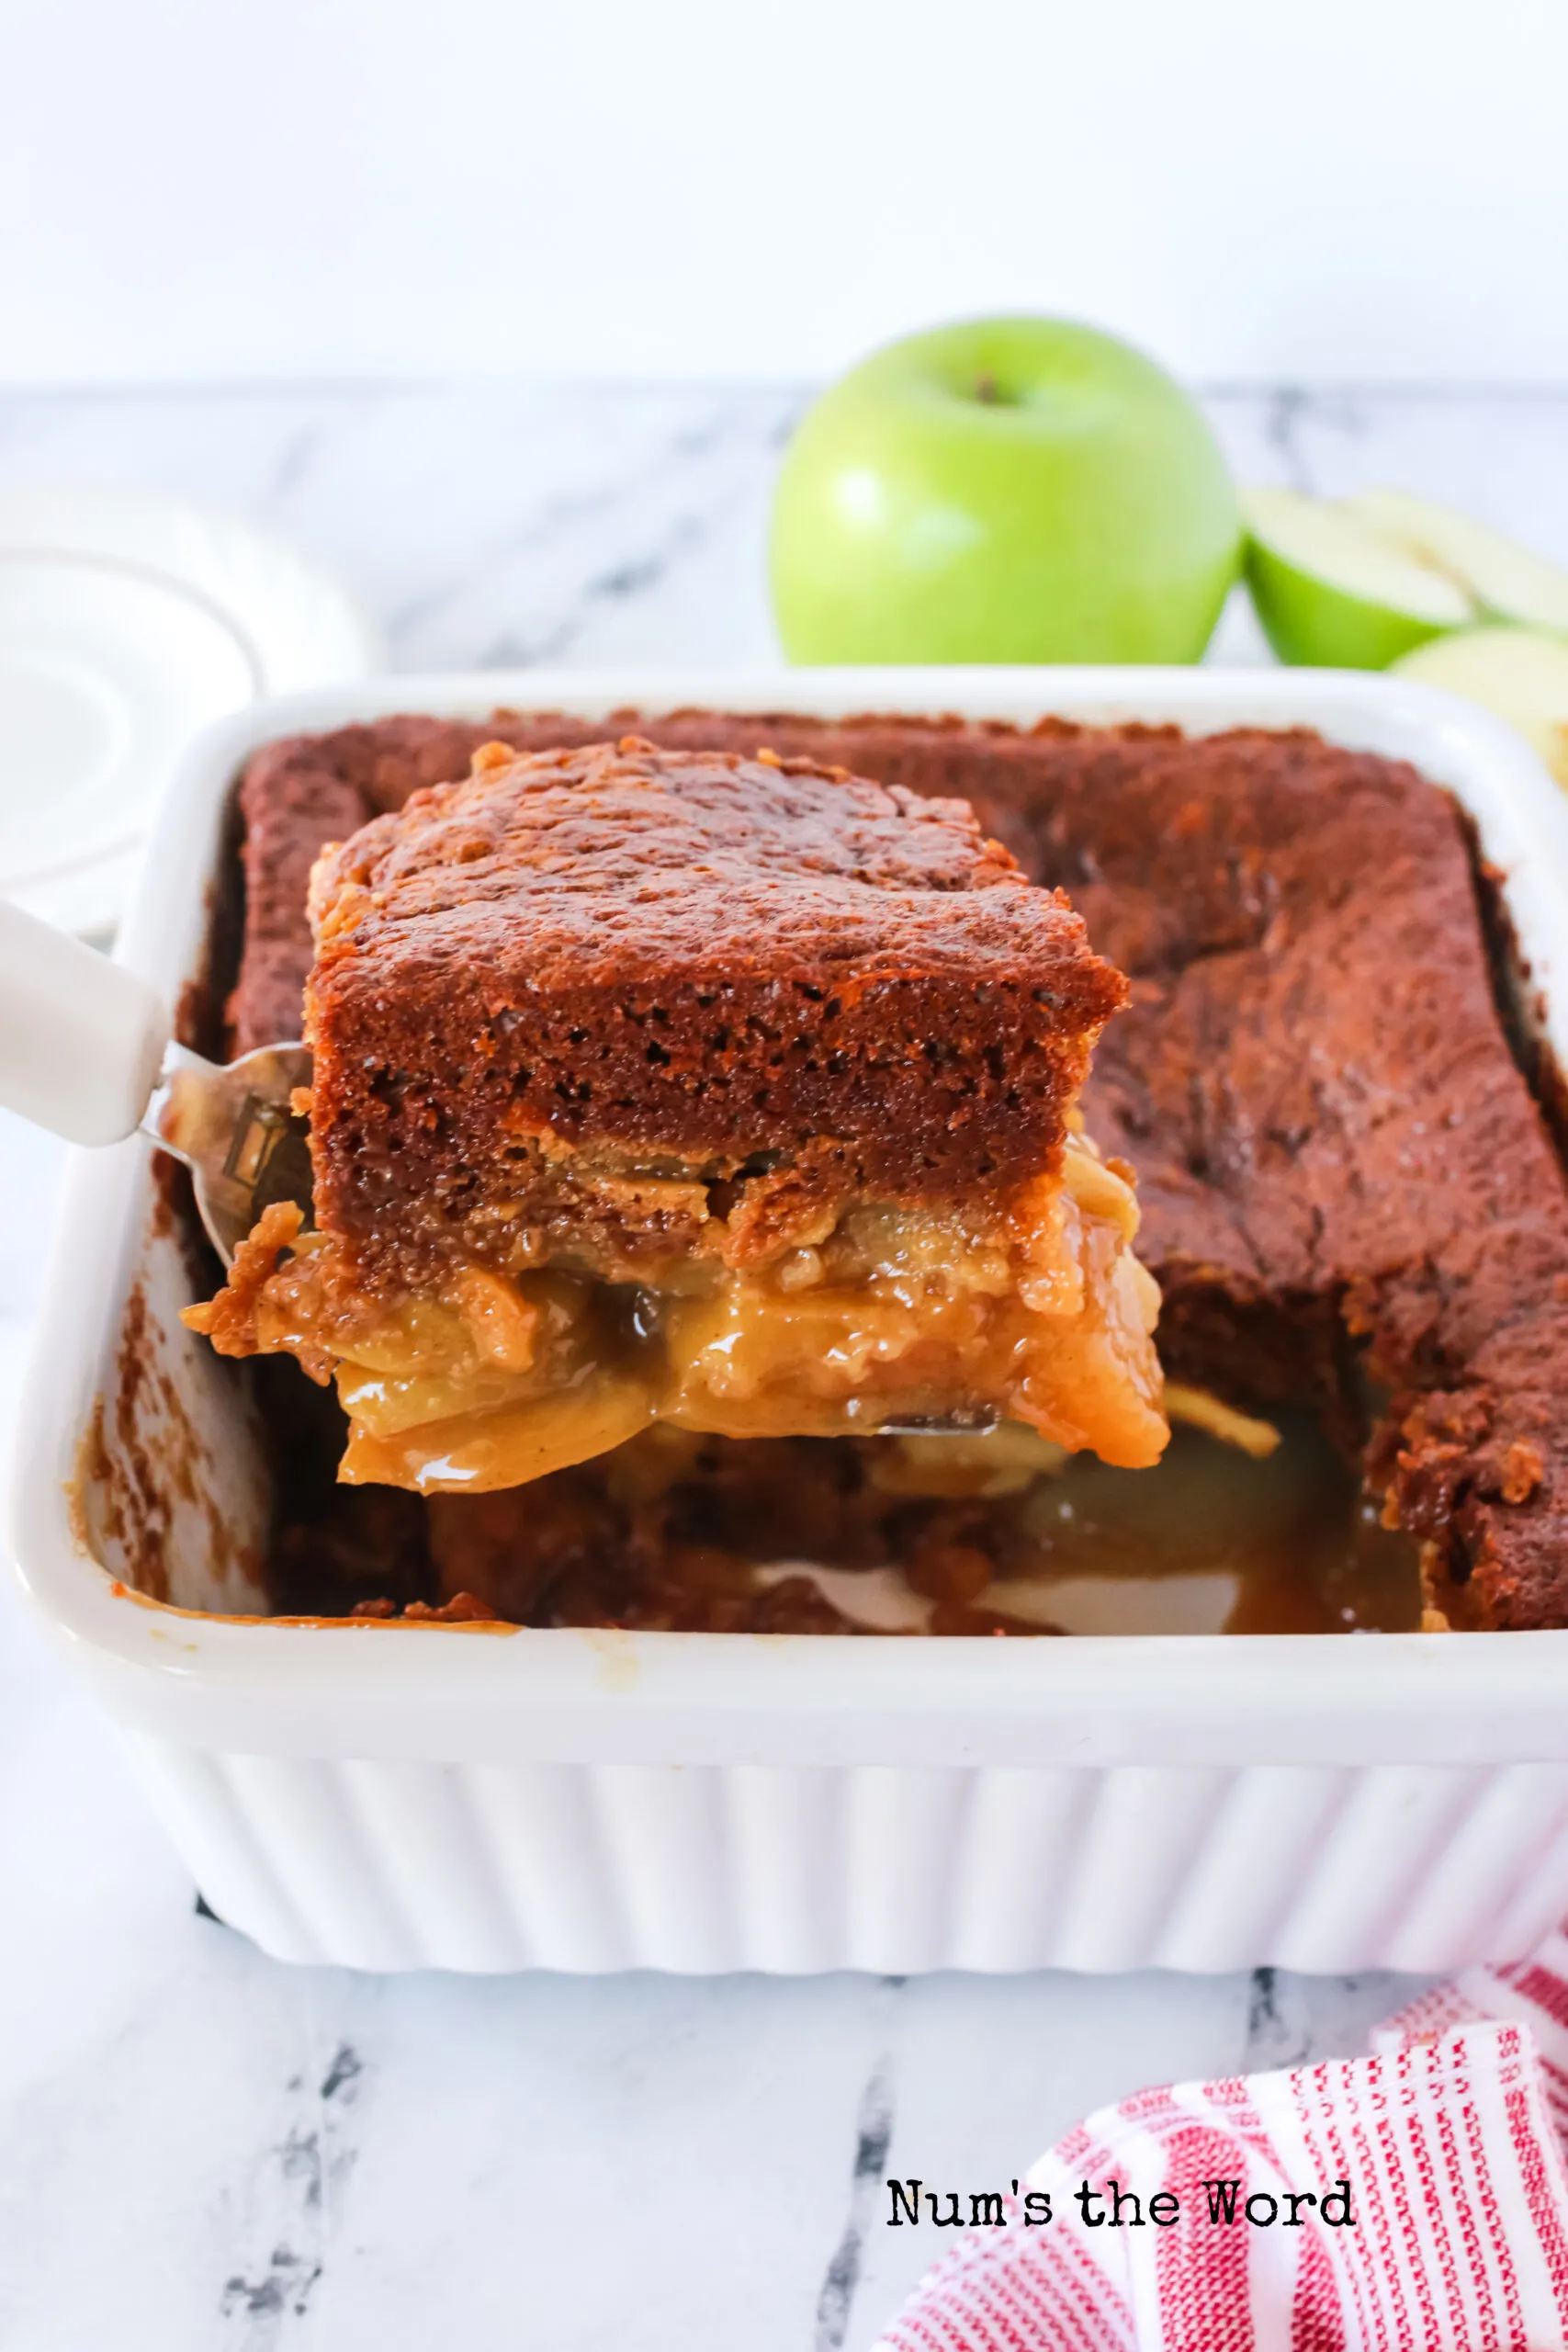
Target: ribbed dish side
(791, 1869)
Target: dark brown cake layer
(1340, 1164)
(800, 984)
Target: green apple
(1009, 489)
(1505, 581)
(1331, 594)
(1521, 674)
(1356, 583)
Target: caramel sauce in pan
(983, 1536)
(1291, 1542)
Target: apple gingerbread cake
(1349, 1189)
(735, 1093)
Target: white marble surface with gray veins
(201, 2151)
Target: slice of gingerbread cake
(735, 1093)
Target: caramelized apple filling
(1042, 1317)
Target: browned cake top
(627, 863)
(754, 969)
(1338, 1157)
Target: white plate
(129, 621)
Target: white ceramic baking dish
(402, 1796)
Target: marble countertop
(200, 2149)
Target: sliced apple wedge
(1331, 594)
(1521, 674)
(1505, 581)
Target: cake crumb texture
(664, 964)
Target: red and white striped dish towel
(1445, 2230)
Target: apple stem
(988, 389)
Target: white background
(244, 189)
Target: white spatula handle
(81, 1040)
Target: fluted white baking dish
(401, 1796)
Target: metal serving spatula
(86, 1050)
